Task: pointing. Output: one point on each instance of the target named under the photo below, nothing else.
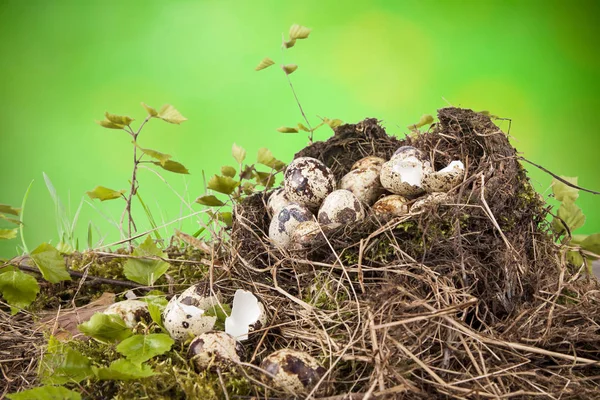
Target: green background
(64, 63)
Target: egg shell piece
(282, 226)
(404, 175)
(409, 151)
(307, 181)
(130, 311)
(391, 206)
(341, 206)
(245, 312)
(430, 200)
(444, 179)
(215, 349)
(293, 371)
(368, 162)
(277, 200)
(364, 183)
(183, 321)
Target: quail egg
(277, 200)
(367, 162)
(308, 181)
(184, 315)
(305, 234)
(284, 223)
(364, 183)
(444, 179)
(391, 206)
(342, 207)
(404, 175)
(430, 200)
(130, 311)
(293, 371)
(214, 349)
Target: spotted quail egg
(444, 179)
(342, 207)
(404, 175)
(308, 181)
(409, 151)
(430, 200)
(367, 162)
(293, 371)
(215, 349)
(364, 183)
(391, 206)
(284, 223)
(305, 234)
(277, 200)
(184, 316)
(130, 311)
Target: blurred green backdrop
(64, 63)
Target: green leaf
(264, 179)
(265, 63)
(143, 270)
(45, 393)
(118, 119)
(224, 217)
(123, 370)
(287, 129)
(574, 258)
(172, 166)
(289, 43)
(61, 364)
(571, 214)
(18, 289)
(227, 170)
(156, 314)
(333, 123)
(289, 68)
(222, 184)
(239, 153)
(103, 193)
(110, 125)
(299, 32)
(426, 119)
(6, 209)
(592, 243)
(563, 192)
(221, 311)
(265, 157)
(140, 348)
(7, 234)
(169, 114)
(248, 187)
(247, 172)
(161, 157)
(11, 220)
(106, 328)
(151, 111)
(302, 127)
(209, 200)
(50, 263)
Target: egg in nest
(308, 181)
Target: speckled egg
(342, 207)
(404, 175)
(430, 200)
(285, 222)
(368, 162)
(364, 183)
(391, 206)
(130, 311)
(199, 295)
(277, 200)
(215, 349)
(293, 371)
(409, 151)
(305, 234)
(183, 320)
(444, 179)
(308, 181)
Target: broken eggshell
(184, 317)
(444, 179)
(404, 175)
(214, 349)
(307, 181)
(430, 200)
(130, 311)
(341, 206)
(391, 206)
(409, 151)
(247, 315)
(364, 183)
(284, 223)
(277, 200)
(368, 162)
(293, 371)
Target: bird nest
(467, 298)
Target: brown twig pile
(470, 298)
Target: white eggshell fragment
(364, 183)
(368, 162)
(404, 175)
(342, 207)
(391, 206)
(308, 181)
(444, 179)
(293, 371)
(430, 200)
(277, 200)
(247, 314)
(214, 350)
(130, 311)
(184, 317)
(284, 223)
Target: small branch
(559, 178)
